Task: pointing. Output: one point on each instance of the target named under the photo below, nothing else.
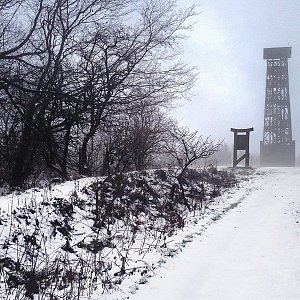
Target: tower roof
(273, 53)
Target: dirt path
(253, 252)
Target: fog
(227, 45)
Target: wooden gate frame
(241, 142)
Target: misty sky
(227, 47)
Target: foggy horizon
(226, 45)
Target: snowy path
(253, 252)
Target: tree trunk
(83, 170)
(21, 163)
(66, 150)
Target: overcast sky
(227, 47)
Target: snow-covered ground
(252, 252)
(244, 245)
(52, 247)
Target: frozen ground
(51, 248)
(252, 252)
(245, 245)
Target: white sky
(227, 45)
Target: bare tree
(134, 140)
(14, 40)
(124, 64)
(43, 61)
(186, 147)
(69, 67)
(149, 126)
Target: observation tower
(277, 147)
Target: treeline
(84, 83)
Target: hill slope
(56, 242)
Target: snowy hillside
(95, 238)
(227, 239)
